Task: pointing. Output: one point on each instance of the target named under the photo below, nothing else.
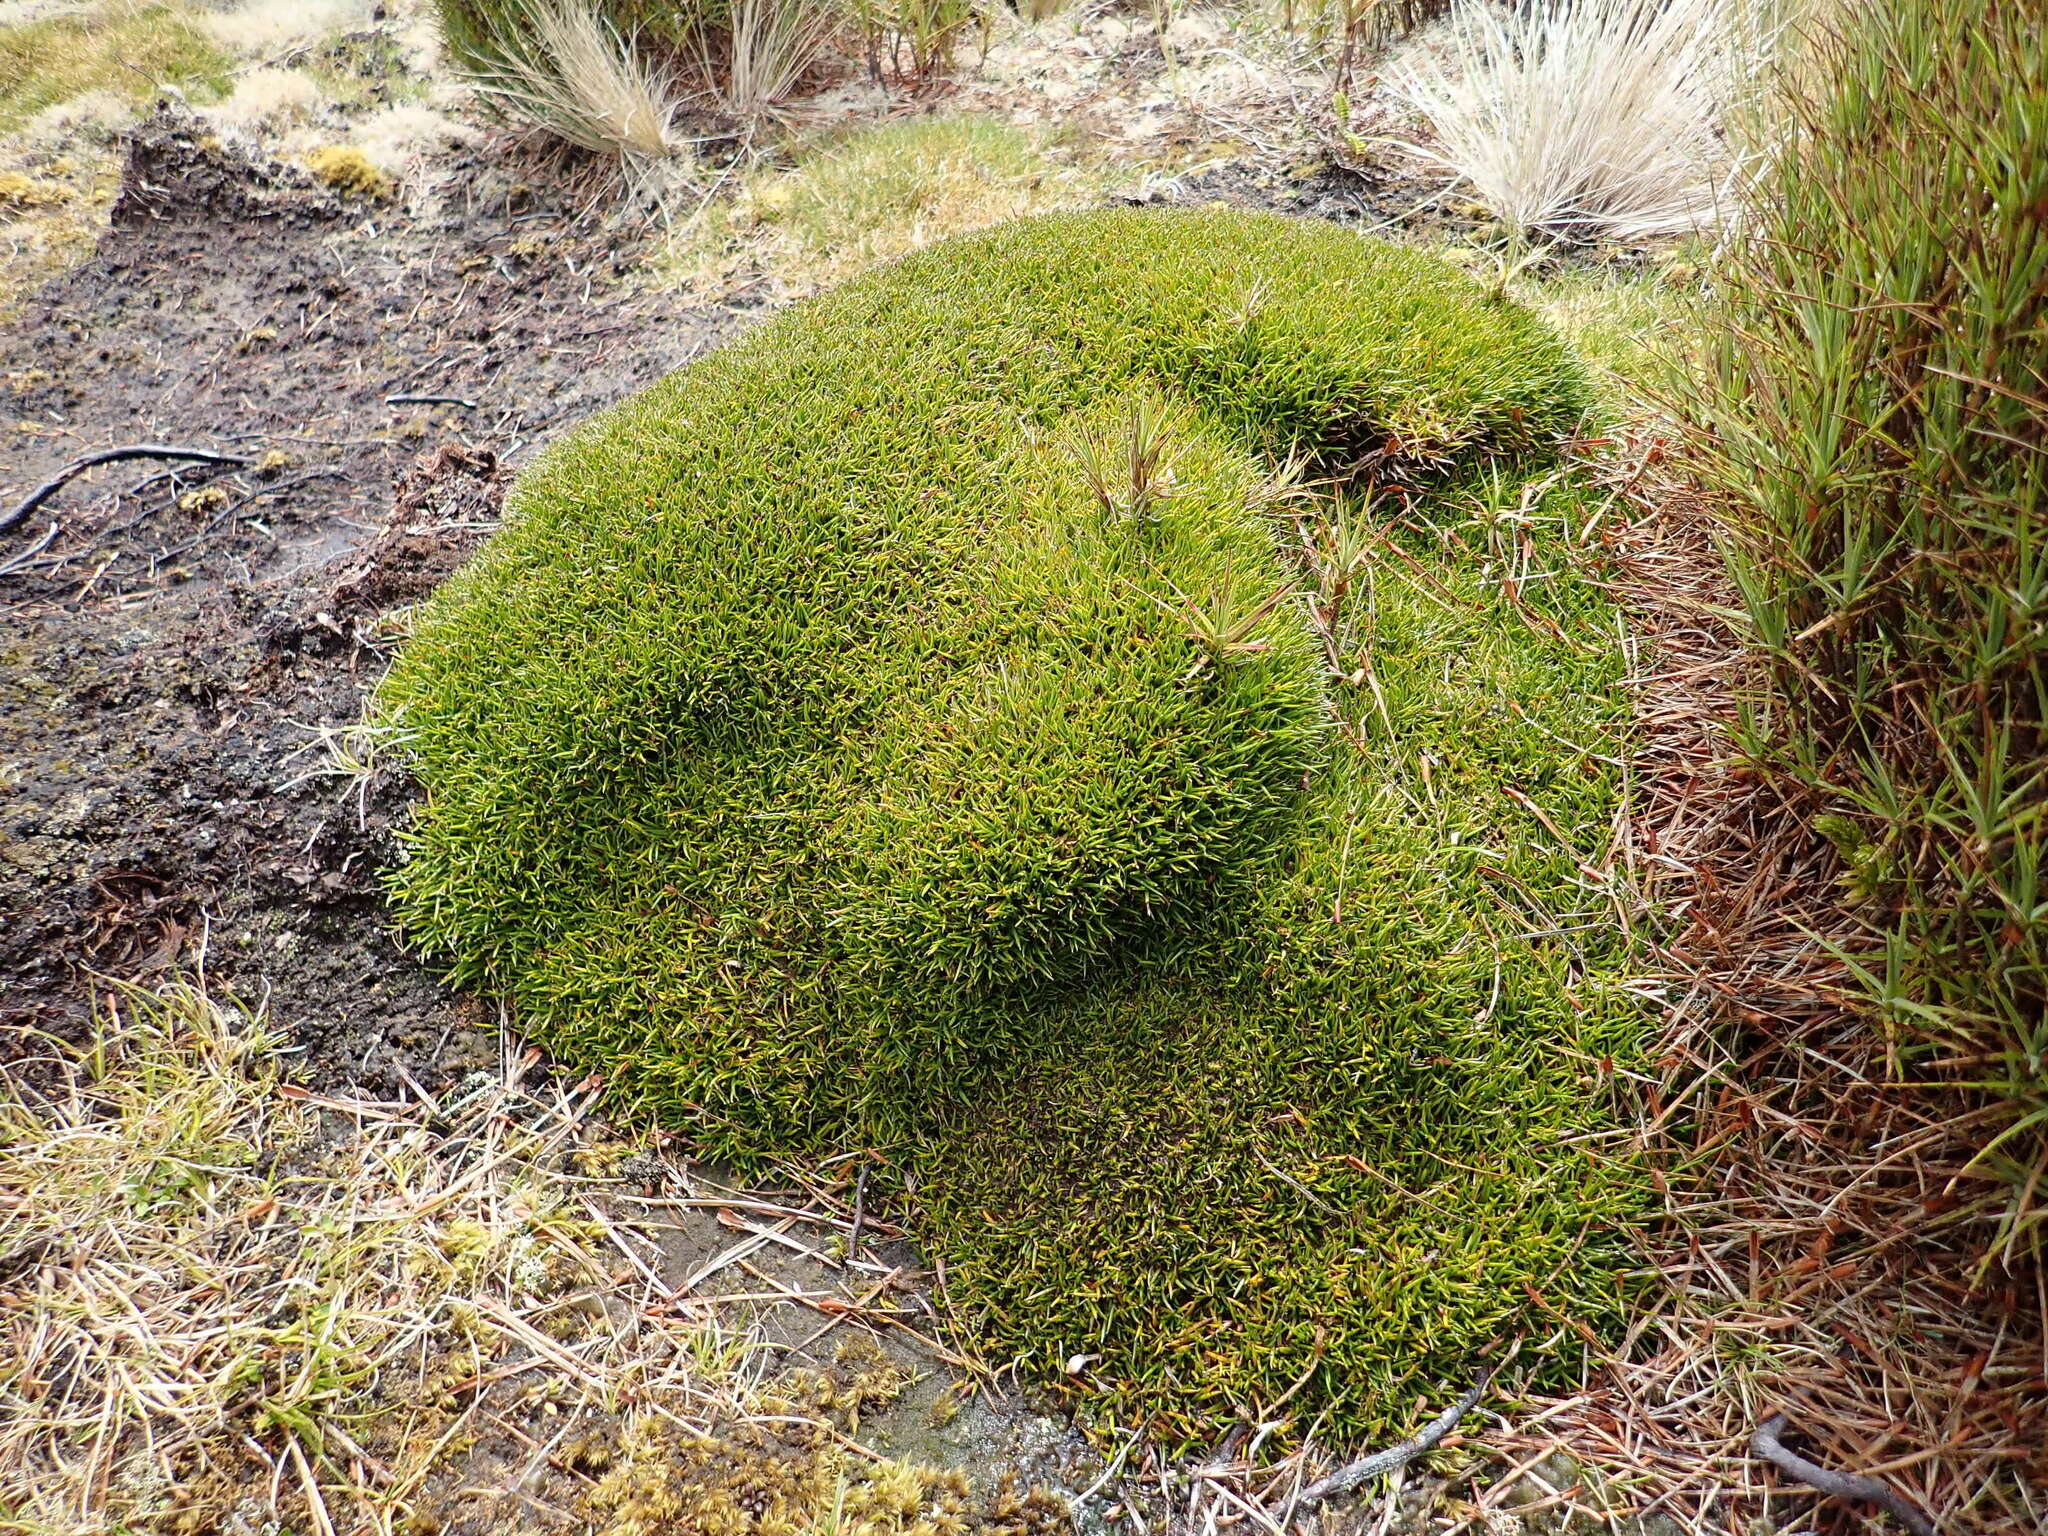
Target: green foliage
(134, 53)
(1877, 410)
(871, 194)
(836, 751)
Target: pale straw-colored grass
(771, 45)
(563, 67)
(225, 1298)
(1589, 118)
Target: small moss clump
(19, 193)
(348, 171)
(905, 728)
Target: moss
(830, 753)
(349, 171)
(135, 52)
(208, 498)
(783, 1471)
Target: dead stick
(22, 559)
(1836, 1485)
(860, 1200)
(1366, 1468)
(77, 467)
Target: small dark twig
(22, 559)
(77, 467)
(860, 1202)
(1366, 1468)
(467, 405)
(1836, 1485)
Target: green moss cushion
(900, 730)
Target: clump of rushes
(827, 751)
(1876, 412)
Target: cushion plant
(940, 723)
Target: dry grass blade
(221, 1292)
(1589, 118)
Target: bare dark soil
(170, 646)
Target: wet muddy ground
(174, 634)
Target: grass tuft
(1589, 118)
(134, 51)
(943, 723)
(570, 68)
(876, 194)
(770, 46)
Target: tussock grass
(1194, 889)
(1874, 415)
(130, 49)
(770, 46)
(570, 68)
(1590, 118)
(230, 1300)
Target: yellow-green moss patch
(927, 725)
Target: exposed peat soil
(178, 630)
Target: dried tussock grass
(1589, 118)
(272, 98)
(220, 1293)
(267, 26)
(770, 46)
(562, 66)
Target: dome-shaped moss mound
(900, 730)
